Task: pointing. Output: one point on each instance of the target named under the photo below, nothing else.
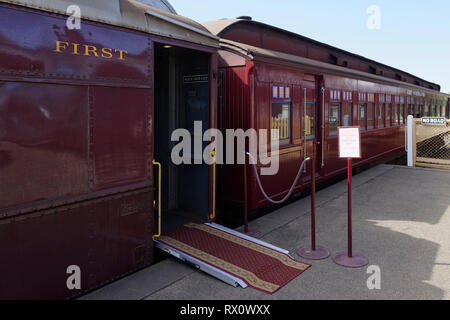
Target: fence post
(409, 140)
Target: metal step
(244, 236)
(203, 266)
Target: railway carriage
(83, 114)
(274, 79)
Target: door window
(280, 122)
(310, 120)
(334, 119)
(347, 114)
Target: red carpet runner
(260, 267)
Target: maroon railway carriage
(274, 79)
(83, 113)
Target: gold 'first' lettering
(89, 50)
(61, 45)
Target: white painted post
(409, 140)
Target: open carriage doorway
(182, 96)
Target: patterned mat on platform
(260, 267)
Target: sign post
(350, 148)
(409, 140)
(314, 252)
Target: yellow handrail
(213, 215)
(159, 199)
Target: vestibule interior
(182, 96)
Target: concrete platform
(401, 223)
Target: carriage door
(312, 133)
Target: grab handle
(159, 199)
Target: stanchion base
(308, 253)
(253, 233)
(356, 261)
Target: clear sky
(414, 35)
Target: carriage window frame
(313, 135)
(333, 132)
(403, 114)
(362, 119)
(371, 122)
(388, 115)
(381, 119)
(409, 110)
(397, 114)
(350, 115)
(287, 141)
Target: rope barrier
(291, 190)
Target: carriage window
(381, 112)
(334, 119)
(371, 116)
(402, 113)
(397, 114)
(280, 122)
(426, 112)
(410, 110)
(362, 116)
(347, 114)
(388, 115)
(309, 120)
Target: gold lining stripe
(248, 276)
(286, 260)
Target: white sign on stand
(349, 142)
(350, 148)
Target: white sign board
(349, 142)
(434, 121)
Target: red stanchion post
(313, 205)
(314, 252)
(349, 215)
(245, 199)
(350, 259)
